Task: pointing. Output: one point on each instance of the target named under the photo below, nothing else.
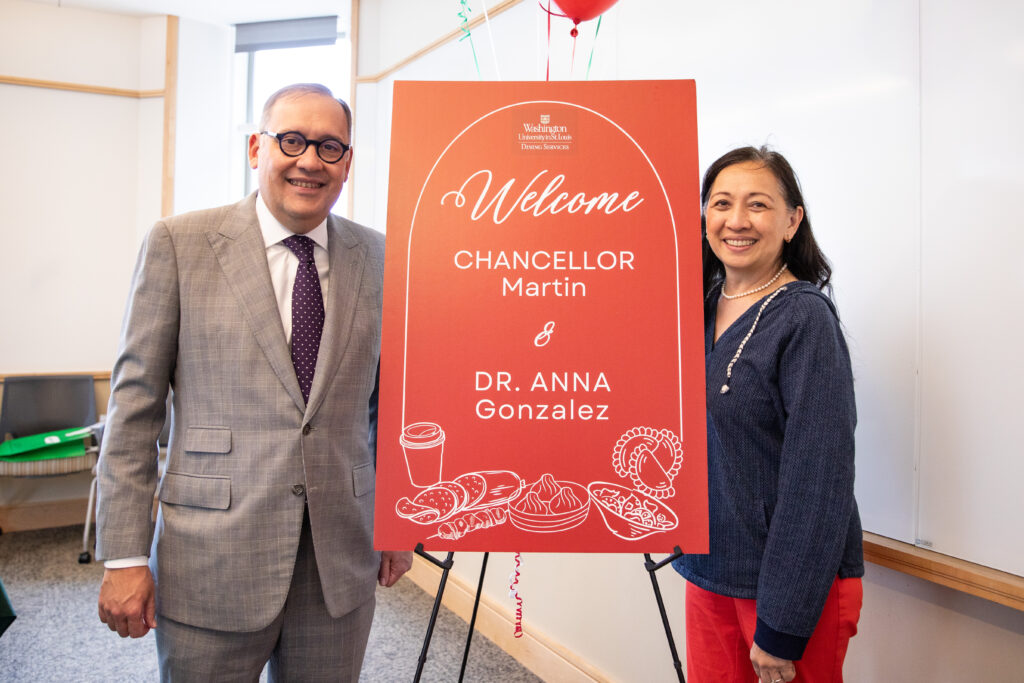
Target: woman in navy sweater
(779, 595)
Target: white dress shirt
(283, 264)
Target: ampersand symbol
(545, 336)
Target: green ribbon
(591, 60)
(463, 13)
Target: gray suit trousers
(304, 643)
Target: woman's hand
(771, 669)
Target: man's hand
(128, 601)
(771, 669)
(392, 565)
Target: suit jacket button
(306, 429)
(298, 489)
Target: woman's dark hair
(801, 255)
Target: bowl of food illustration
(630, 514)
(549, 505)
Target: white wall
(149, 172)
(391, 30)
(914, 631)
(90, 179)
(77, 202)
(202, 166)
(838, 87)
(73, 196)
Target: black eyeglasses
(294, 144)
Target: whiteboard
(902, 120)
(972, 469)
(847, 120)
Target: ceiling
(219, 11)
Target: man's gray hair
(297, 89)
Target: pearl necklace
(756, 289)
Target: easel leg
(446, 567)
(472, 621)
(651, 567)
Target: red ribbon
(518, 631)
(547, 77)
(574, 32)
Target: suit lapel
(238, 245)
(347, 258)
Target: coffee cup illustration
(423, 445)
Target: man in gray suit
(263, 548)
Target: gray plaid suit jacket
(245, 453)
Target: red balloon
(584, 10)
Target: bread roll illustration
(434, 504)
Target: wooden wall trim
(80, 87)
(46, 514)
(354, 44)
(170, 115)
(448, 37)
(99, 375)
(966, 577)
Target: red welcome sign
(542, 362)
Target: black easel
(446, 566)
(651, 567)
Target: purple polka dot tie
(307, 312)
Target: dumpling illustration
(565, 501)
(546, 487)
(532, 504)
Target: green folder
(7, 615)
(62, 443)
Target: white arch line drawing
(668, 204)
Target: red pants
(720, 633)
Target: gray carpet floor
(58, 637)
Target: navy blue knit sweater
(783, 519)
